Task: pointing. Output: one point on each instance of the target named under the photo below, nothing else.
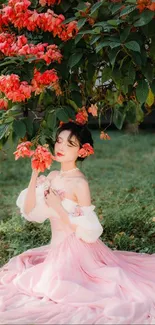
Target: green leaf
(68, 20)
(96, 6)
(118, 118)
(101, 45)
(29, 125)
(81, 6)
(145, 18)
(153, 86)
(65, 5)
(74, 59)
(142, 91)
(19, 128)
(62, 115)
(81, 22)
(127, 10)
(132, 45)
(4, 128)
(51, 120)
(106, 74)
(76, 97)
(112, 56)
(131, 112)
(77, 38)
(124, 35)
(115, 7)
(139, 113)
(94, 39)
(114, 22)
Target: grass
(122, 182)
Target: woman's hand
(52, 199)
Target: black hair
(81, 132)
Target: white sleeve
(88, 227)
(41, 211)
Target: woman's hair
(81, 132)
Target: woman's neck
(67, 166)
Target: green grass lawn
(121, 175)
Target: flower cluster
(41, 80)
(23, 150)
(43, 3)
(14, 89)
(18, 14)
(41, 157)
(3, 104)
(82, 116)
(145, 4)
(19, 91)
(10, 45)
(86, 150)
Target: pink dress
(76, 279)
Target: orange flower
(104, 136)
(86, 150)
(3, 104)
(81, 116)
(23, 150)
(142, 4)
(42, 158)
(93, 109)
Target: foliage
(121, 178)
(82, 54)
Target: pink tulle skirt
(78, 283)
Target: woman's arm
(30, 199)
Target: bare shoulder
(52, 174)
(82, 191)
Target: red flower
(23, 150)
(42, 159)
(86, 150)
(81, 116)
(3, 104)
(47, 78)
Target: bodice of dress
(88, 226)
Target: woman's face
(66, 150)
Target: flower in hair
(86, 150)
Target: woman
(75, 279)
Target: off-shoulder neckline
(85, 206)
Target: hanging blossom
(93, 109)
(104, 136)
(41, 158)
(10, 45)
(23, 150)
(18, 14)
(3, 104)
(82, 116)
(43, 3)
